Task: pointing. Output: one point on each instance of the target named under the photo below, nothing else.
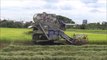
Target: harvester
(47, 29)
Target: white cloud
(21, 3)
(102, 1)
(94, 11)
(89, 1)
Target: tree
(65, 19)
(104, 26)
(11, 24)
(18, 24)
(27, 24)
(6, 23)
(83, 26)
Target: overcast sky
(77, 10)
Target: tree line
(14, 24)
(21, 24)
(98, 25)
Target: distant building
(104, 22)
(84, 22)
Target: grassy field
(89, 31)
(16, 34)
(54, 52)
(27, 51)
(94, 36)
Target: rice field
(15, 44)
(93, 38)
(16, 34)
(54, 52)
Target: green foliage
(14, 24)
(65, 19)
(27, 24)
(83, 26)
(94, 26)
(21, 24)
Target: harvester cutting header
(47, 29)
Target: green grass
(18, 34)
(88, 31)
(92, 37)
(54, 52)
(17, 51)
(14, 34)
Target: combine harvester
(48, 30)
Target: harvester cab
(47, 29)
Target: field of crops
(94, 36)
(16, 34)
(54, 52)
(15, 44)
